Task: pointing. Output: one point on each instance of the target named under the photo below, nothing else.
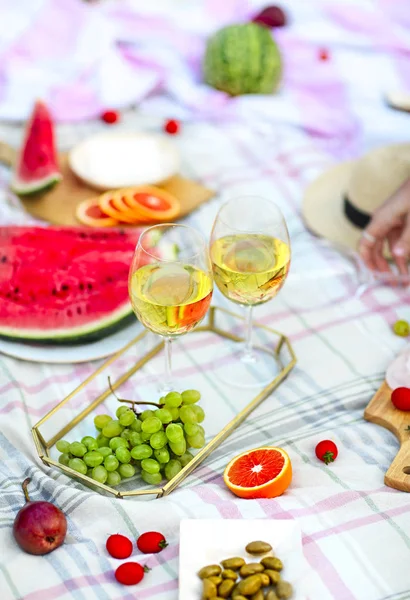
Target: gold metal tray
(197, 358)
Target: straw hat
(339, 204)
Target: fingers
(401, 249)
(400, 261)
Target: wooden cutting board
(58, 204)
(382, 412)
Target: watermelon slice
(36, 167)
(64, 285)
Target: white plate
(206, 542)
(71, 354)
(113, 160)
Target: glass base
(247, 370)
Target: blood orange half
(259, 473)
(152, 203)
(89, 213)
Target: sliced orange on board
(89, 213)
(152, 203)
(259, 473)
(108, 207)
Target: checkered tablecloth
(355, 530)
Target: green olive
(209, 571)
(274, 576)
(271, 562)
(258, 596)
(265, 579)
(284, 590)
(401, 328)
(229, 574)
(250, 585)
(271, 596)
(209, 590)
(226, 587)
(216, 579)
(233, 563)
(258, 548)
(251, 569)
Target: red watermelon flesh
(36, 167)
(64, 285)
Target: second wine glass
(250, 254)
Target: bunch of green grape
(154, 443)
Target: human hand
(391, 223)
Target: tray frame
(43, 446)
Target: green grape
(111, 463)
(178, 448)
(102, 440)
(175, 413)
(77, 449)
(100, 421)
(135, 438)
(158, 440)
(151, 425)
(187, 414)
(116, 442)
(145, 437)
(191, 429)
(64, 459)
(151, 478)
(173, 400)
(136, 425)
(196, 441)
(126, 471)
(126, 434)
(121, 410)
(149, 465)
(180, 425)
(201, 430)
(89, 472)
(162, 455)
(199, 413)
(63, 446)
(190, 396)
(112, 429)
(89, 442)
(99, 474)
(105, 451)
(172, 469)
(141, 452)
(161, 400)
(146, 414)
(78, 465)
(174, 433)
(185, 459)
(123, 455)
(113, 478)
(164, 415)
(93, 458)
(127, 418)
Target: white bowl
(113, 160)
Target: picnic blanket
(355, 530)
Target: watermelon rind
(22, 188)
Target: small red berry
(271, 16)
(119, 546)
(151, 542)
(172, 126)
(130, 573)
(326, 451)
(401, 398)
(324, 54)
(110, 116)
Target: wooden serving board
(58, 204)
(380, 410)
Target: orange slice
(152, 203)
(88, 212)
(118, 202)
(259, 473)
(107, 206)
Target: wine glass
(170, 284)
(250, 254)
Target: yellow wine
(170, 299)
(250, 268)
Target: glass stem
(168, 362)
(248, 350)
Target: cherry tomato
(110, 116)
(401, 398)
(326, 451)
(130, 573)
(324, 54)
(151, 542)
(172, 126)
(119, 546)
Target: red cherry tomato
(110, 116)
(151, 542)
(324, 54)
(326, 451)
(401, 398)
(130, 573)
(119, 546)
(172, 126)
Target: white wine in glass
(170, 285)
(250, 254)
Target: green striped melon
(243, 59)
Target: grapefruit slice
(259, 473)
(152, 203)
(107, 206)
(118, 202)
(89, 213)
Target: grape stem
(24, 486)
(133, 402)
